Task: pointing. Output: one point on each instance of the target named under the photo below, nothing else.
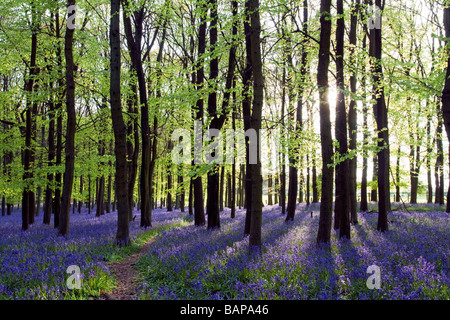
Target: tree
(293, 182)
(120, 130)
(254, 175)
(446, 90)
(352, 112)
(381, 115)
(134, 42)
(199, 213)
(63, 228)
(212, 202)
(342, 202)
(326, 204)
(28, 154)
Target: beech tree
(63, 228)
(120, 131)
(326, 202)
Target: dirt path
(127, 276)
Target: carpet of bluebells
(193, 263)
(188, 262)
(33, 263)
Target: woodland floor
(128, 280)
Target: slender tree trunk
(293, 180)
(70, 133)
(246, 112)
(120, 130)
(446, 93)
(28, 153)
(191, 197)
(169, 184)
(132, 148)
(100, 210)
(308, 182)
(199, 210)
(326, 204)
(88, 204)
(48, 203)
(353, 113)
(397, 176)
(212, 204)
(342, 201)
(80, 203)
(363, 204)
(252, 9)
(282, 157)
(315, 186)
(221, 187)
(59, 136)
(181, 188)
(374, 189)
(134, 47)
(382, 127)
(269, 190)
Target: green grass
(120, 253)
(108, 281)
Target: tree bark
(342, 201)
(326, 204)
(446, 92)
(120, 130)
(63, 228)
(252, 9)
(363, 204)
(134, 47)
(353, 113)
(28, 153)
(293, 180)
(199, 210)
(382, 127)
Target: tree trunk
(374, 189)
(59, 136)
(199, 210)
(446, 93)
(134, 47)
(363, 204)
(342, 201)
(308, 182)
(169, 184)
(353, 113)
(428, 158)
(397, 176)
(181, 188)
(132, 148)
(315, 187)
(28, 154)
(120, 130)
(191, 196)
(48, 202)
(326, 204)
(221, 187)
(80, 203)
(70, 131)
(282, 194)
(293, 180)
(252, 9)
(382, 127)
